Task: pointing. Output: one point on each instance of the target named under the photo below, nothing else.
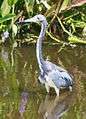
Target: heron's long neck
(39, 47)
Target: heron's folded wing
(60, 79)
(50, 66)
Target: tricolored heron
(51, 75)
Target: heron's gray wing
(50, 66)
(60, 79)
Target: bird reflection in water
(54, 107)
(23, 103)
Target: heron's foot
(70, 88)
(57, 91)
(47, 87)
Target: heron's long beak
(27, 21)
(30, 20)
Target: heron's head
(36, 19)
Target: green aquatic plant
(66, 17)
(76, 40)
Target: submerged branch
(49, 34)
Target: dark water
(22, 97)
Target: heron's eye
(38, 18)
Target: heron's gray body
(50, 74)
(55, 77)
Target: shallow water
(22, 97)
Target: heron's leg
(57, 90)
(47, 87)
(70, 88)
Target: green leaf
(12, 2)
(29, 5)
(14, 28)
(7, 17)
(15, 44)
(75, 39)
(64, 4)
(80, 24)
(5, 8)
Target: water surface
(22, 97)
